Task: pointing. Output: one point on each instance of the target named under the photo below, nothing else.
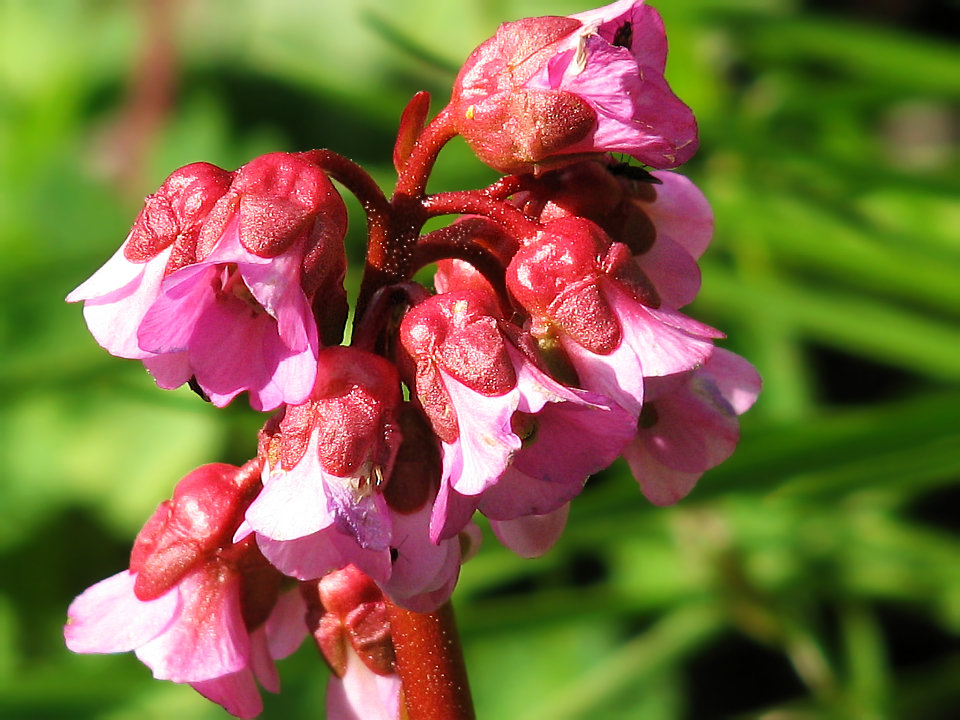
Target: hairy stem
(412, 181)
(477, 202)
(430, 664)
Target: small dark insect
(633, 172)
(624, 36)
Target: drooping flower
(164, 238)
(546, 90)
(350, 622)
(195, 607)
(222, 291)
(584, 293)
(515, 441)
(662, 217)
(689, 425)
(330, 462)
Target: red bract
(545, 90)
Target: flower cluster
(551, 344)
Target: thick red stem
(430, 664)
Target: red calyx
(460, 333)
(346, 606)
(175, 213)
(276, 198)
(557, 278)
(201, 517)
(509, 127)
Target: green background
(814, 575)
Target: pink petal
(208, 640)
(451, 510)
(681, 212)
(361, 694)
(293, 503)
(735, 378)
(286, 627)
(422, 567)
(108, 617)
(237, 693)
(362, 514)
(231, 352)
(517, 494)
(486, 442)
(617, 375)
(673, 271)
(323, 552)
(261, 663)
(649, 40)
(277, 287)
(691, 435)
(118, 296)
(531, 536)
(117, 275)
(170, 371)
(663, 340)
(185, 295)
(660, 485)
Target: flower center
(232, 284)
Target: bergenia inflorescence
(551, 344)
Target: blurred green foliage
(815, 575)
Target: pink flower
(164, 238)
(662, 217)
(586, 295)
(689, 425)
(195, 608)
(515, 442)
(544, 90)
(228, 301)
(351, 625)
(325, 501)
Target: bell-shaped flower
(195, 607)
(585, 294)
(662, 217)
(340, 486)
(350, 622)
(515, 441)
(326, 462)
(230, 302)
(689, 425)
(164, 238)
(546, 90)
